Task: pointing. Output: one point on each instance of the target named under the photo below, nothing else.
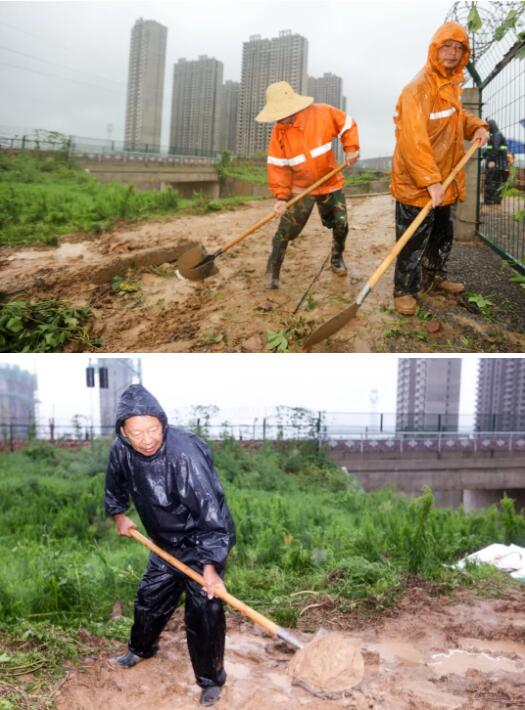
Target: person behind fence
(497, 164)
(431, 126)
(169, 475)
(300, 153)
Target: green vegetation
(42, 326)
(302, 524)
(45, 196)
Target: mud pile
(430, 653)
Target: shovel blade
(331, 326)
(196, 264)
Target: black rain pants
(157, 597)
(423, 259)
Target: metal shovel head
(331, 326)
(196, 264)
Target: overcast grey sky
(234, 382)
(63, 65)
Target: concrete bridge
(186, 175)
(475, 475)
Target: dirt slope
(232, 312)
(429, 653)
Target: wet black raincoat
(176, 492)
(181, 504)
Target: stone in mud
(329, 664)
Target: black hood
(493, 126)
(136, 401)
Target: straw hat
(282, 101)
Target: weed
(277, 341)
(129, 288)
(211, 338)
(43, 326)
(310, 304)
(483, 304)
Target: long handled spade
(196, 265)
(341, 319)
(328, 665)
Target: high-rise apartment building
(228, 112)
(121, 372)
(428, 394)
(327, 89)
(147, 59)
(264, 61)
(500, 403)
(17, 401)
(195, 106)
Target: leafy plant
(277, 341)
(43, 326)
(484, 304)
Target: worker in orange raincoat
(431, 126)
(300, 152)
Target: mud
(232, 311)
(428, 653)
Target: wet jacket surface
(176, 492)
(301, 152)
(496, 149)
(431, 126)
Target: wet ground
(428, 653)
(141, 304)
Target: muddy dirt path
(140, 303)
(429, 653)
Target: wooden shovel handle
(243, 608)
(419, 219)
(271, 216)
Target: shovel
(327, 666)
(196, 265)
(341, 319)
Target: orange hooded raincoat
(301, 152)
(431, 126)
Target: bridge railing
(430, 442)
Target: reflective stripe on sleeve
(321, 150)
(298, 159)
(348, 124)
(281, 162)
(443, 114)
(285, 162)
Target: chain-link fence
(497, 69)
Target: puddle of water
(493, 646)
(459, 662)
(390, 650)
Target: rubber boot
(129, 660)
(210, 695)
(275, 260)
(336, 261)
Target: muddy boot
(210, 695)
(405, 305)
(454, 287)
(129, 660)
(275, 260)
(336, 261)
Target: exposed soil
(158, 311)
(428, 653)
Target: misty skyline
(254, 385)
(63, 65)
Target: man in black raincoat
(170, 477)
(497, 164)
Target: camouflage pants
(332, 210)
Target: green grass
(43, 198)
(302, 524)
